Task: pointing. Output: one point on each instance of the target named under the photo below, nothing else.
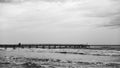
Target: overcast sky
(60, 21)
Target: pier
(45, 46)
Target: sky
(60, 21)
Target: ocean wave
(70, 51)
(91, 53)
(49, 61)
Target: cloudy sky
(60, 21)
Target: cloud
(59, 21)
(114, 22)
(12, 1)
(59, 13)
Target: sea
(59, 58)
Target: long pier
(45, 46)
(60, 46)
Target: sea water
(59, 58)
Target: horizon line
(53, 44)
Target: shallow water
(52, 66)
(52, 58)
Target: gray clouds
(114, 22)
(82, 12)
(62, 20)
(11, 1)
(71, 13)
